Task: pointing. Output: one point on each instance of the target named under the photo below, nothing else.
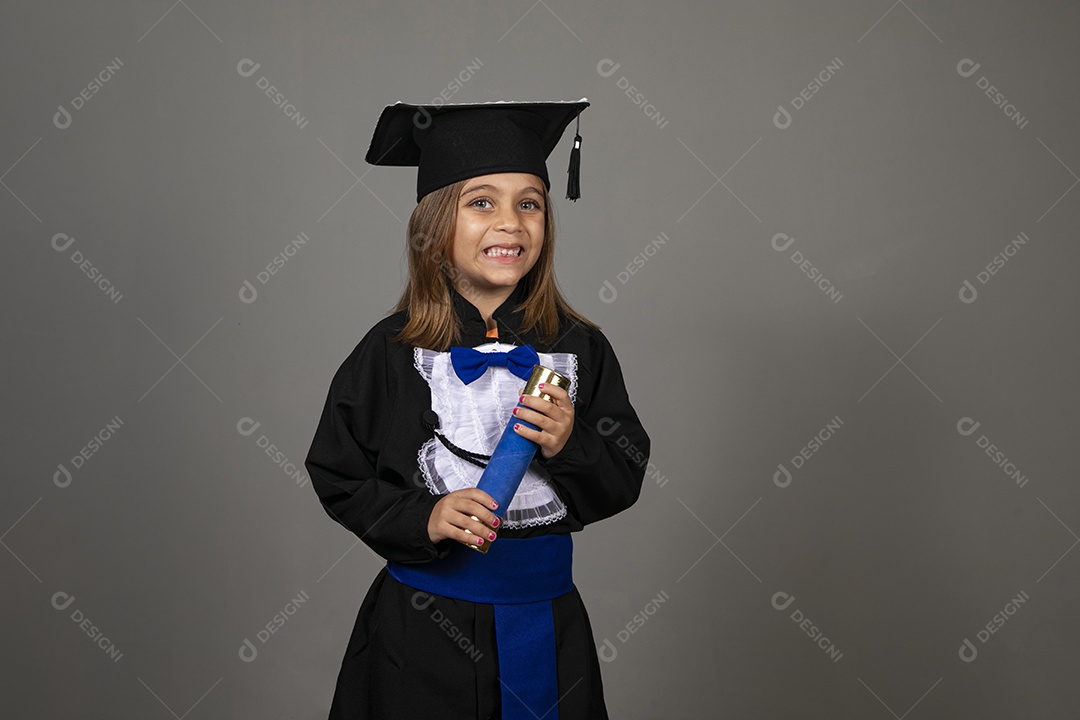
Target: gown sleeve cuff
(433, 551)
(570, 452)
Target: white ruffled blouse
(473, 417)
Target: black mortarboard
(454, 142)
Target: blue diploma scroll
(508, 463)
(513, 453)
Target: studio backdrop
(833, 245)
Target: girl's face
(499, 232)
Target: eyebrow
(493, 188)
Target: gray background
(899, 179)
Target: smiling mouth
(496, 252)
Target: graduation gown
(378, 471)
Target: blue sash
(519, 577)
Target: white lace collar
(473, 417)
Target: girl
(420, 403)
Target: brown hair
(432, 323)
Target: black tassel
(573, 183)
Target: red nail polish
(495, 522)
(491, 536)
(494, 504)
(516, 426)
(514, 411)
(480, 541)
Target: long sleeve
(601, 468)
(388, 513)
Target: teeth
(504, 252)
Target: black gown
(436, 657)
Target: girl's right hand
(468, 509)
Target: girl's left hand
(554, 420)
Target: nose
(508, 219)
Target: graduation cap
(452, 142)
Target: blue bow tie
(470, 364)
